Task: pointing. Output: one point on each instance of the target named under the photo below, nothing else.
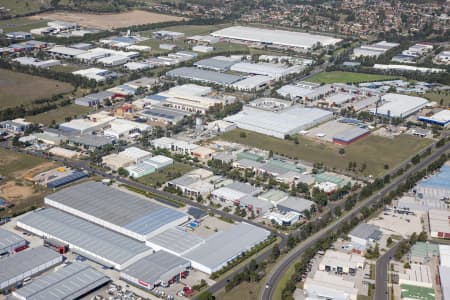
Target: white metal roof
(398, 105)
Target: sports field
(18, 88)
(108, 21)
(347, 77)
(373, 151)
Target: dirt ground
(13, 192)
(30, 173)
(108, 21)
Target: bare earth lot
(18, 88)
(109, 21)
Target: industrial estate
(194, 152)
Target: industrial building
(439, 223)
(275, 38)
(94, 99)
(149, 165)
(444, 273)
(364, 236)
(441, 118)
(22, 265)
(253, 83)
(436, 187)
(289, 121)
(217, 63)
(254, 205)
(82, 126)
(205, 76)
(10, 243)
(224, 246)
(275, 71)
(177, 241)
(349, 136)
(31, 61)
(340, 262)
(65, 52)
(123, 129)
(127, 157)
(443, 58)
(423, 252)
(167, 35)
(96, 74)
(174, 145)
(164, 115)
(159, 268)
(89, 141)
(399, 106)
(192, 185)
(232, 193)
(70, 283)
(92, 241)
(329, 286)
(373, 50)
(416, 275)
(296, 204)
(58, 177)
(407, 68)
(117, 210)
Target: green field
(244, 291)
(347, 77)
(21, 24)
(19, 88)
(20, 7)
(374, 151)
(165, 174)
(438, 97)
(60, 114)
(12, 162)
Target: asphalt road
(282, 265)
(381, 276)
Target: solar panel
(67, 179)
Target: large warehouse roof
(288, 121)
(175, 240)
(67, 283)
(117, 207)
(275, 37)
(24, 261)
(204, 75)
(222, 247)
(8, 239)
(401, 106)
(158, 266)
(84, 235)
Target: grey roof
(22, 262)
(351, 134)
(176, 240)
(214, 63)
(185, 180)
(366, 231)
(164, 113)
(248, 163)
(204, 75)
(117, 207)
(9, 239)
(224, 246)
(85, 235)
(256, 203)
(70, 282)
(158, 266)
(91, 140)
(244, 188)
(295, 203)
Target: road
(282, 265)
(381, 276)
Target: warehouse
(116, 210)
(340, 262)
(96, 74)
(436, 187)
(252, 83)
(122, 129)
(159, 268)
(69, 283)
(364, 236)
(94, 99)
(217, 63)
(90, 142)
(417, 275)
(329, 286)
(296, 204)
(349, 136)
(90, 240)
(113, 60)
(407, 68)
(203, 49)
(373, 50)
(232, 193)
(177, 241)
(127, 157)
(439, 223)
(167, 35)
(164, 115)
(65, 52)
(205, 76)
(148, 166)
(276, 71)
(26, 264)
(441, 118)
(82, 126)
(399, 106)
(275, 38)
(281, 123)
(224, 246)
(444, 273)
(255, 205)
(10, 243)
(31, 61)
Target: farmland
(373, 151)
(21, 89)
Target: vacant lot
(373, 151)
(109, 21)
(60, 114)
(21, 24)
(165, 174)
(18, 88)
(442, 98)
(244, 291)
(346, 77)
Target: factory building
(373, 50)
(436, 187)
(82, 126)
(234, 192)
(122, 129)
(71, 282)
(94, 99)
(16, 268)
(399, 106)
(349, 136)
(289, 121)
(92, 241)
(439, 223)
(441, 118)
(159, 268)
(31, 61)
(328, 286)
(149, 165)
(275, 38)
(177, 241)
(339, 262)
(275, 71)
(224, 246)
(253, 83)
(364, 236)
(117, 210)
(10, 243)
(416, 275)
(217, 63)
(127, 157)
(205, 76)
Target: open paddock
(109, 21)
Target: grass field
(20, 7)
(438, 97)
(18, 88)
(13, 162)
(374, 151)
(244, 291)
(345, 77)
(60, 114)
(165, 174)
(21, 24)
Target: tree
(242, 135)
(423, 236)
(122, 172)
(341, 151)
(275, 252)
(206, 295)
(291, 242)
(389, 242)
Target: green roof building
(249, 155)
(328, 177)
(422, 252)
